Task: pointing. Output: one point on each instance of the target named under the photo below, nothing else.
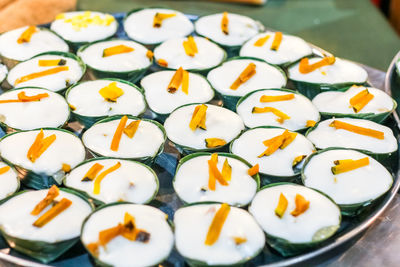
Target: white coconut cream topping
(299, 109)
(84, 26)
(191, 227)
(342, 71)
(250, 145)
(87, 100)
(8, 181)
(266, 76)
(66, 149)
(220, 122)
(3, 72)
(325, 136)
(291, 49)
(355, 186)
(139, 26)
(16, 219)
(321, 213)
(123, 62)
(240, 28)
(54, 82)
(123, 252)
(172, 51)
(145, 143)
(339, 102)
(161, 101)
(132, 182)
(191, 182)
(41, 41)
(51, 111)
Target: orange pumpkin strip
(246, 74)
(311, 123)
(211, 178)
(214, 142)
(118, 133)
(357, 129)
(289, 137)
(359, 101)
(109, 234)
(131, 129)
(46, 142)
(51, 195)
(212, 165)
(239, 240)
(35, 146)
(278, 142)
(185, 82)
(198, 118)
(24, 98)
(159, 17)
(276, 98)
(111, 92)
(176, 81)
(276, 43)
(281, 116)
(305, 67)
(97, 181)
(162, 62)
(190, 46)
(66, 168)
(52, 62)
(226, 171)
(93, 248)
(349, 165)
(297, 160)
(92, 172)
(261, 41)
(149, 54)
(40, 74)
(26, 36)
(224, 23)
(254, 170)
(302, 205)
(40, 145)
(118, 49)
(53, 212)
(4, 169)
(217, 223)
(282, 206)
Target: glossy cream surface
(41, 41)
(291, 49)
(131, 182)
(191, 228)
(87, 100)
(193, 175)
(123, 252)
(93, 32)
(339, 102)
(355, 186)
(3, 72)
(209, 54)
(342, 71)
(8, 182)
(220, 122)
(139, 26)
(145, 143)
(66, 149)
(250, 145)
(53, 82)
(321, 213)
(299, 109)
(240, 28)
(266, 76)
(325, 136)
(124, 62)
(51, 111)
(161, 101)
(16, 219)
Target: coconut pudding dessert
(9, 181)
(52, 70)
(123, 234)
(108, 180)
(152, 26)
(91, 101)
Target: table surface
(352, 29)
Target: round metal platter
(167, 201)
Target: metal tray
(350, 230)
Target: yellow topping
(310, 123)
(261, 41)
(190, 46)
(52, 62)
(297, 160)
(211, 178)
(66, 168)
(278, 142)
(276, 98)
(239, 240)
(97, 181)
(360, 100)
(22, 97)
(226, 171)
(224, 23)
(282, 206)
(185, 82)
(40, 145)
(27, 35)
(111, 92)
(281, 116)
(349, 165)
(162, 62)
(277, 41)
(246, 74)
(85, 19)
(254, 170)
(53, 212)
(118, 49)
(302, 205)
(149, 54)
(51, 195)
(4, 169)
(118, 133)
(92, 172)
(213, 169)
(40, 74)
(181, 77)
(159, 17)
(131, 129)
(217, 223)
(357, 129)
(198, 118)
(215, 142)
(305, 67)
